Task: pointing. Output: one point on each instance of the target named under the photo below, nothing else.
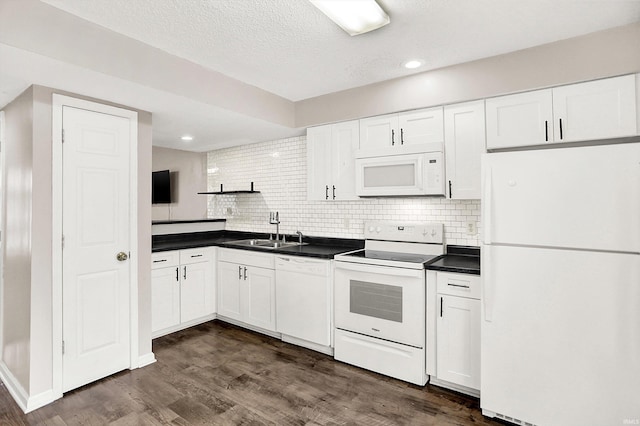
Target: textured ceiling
(291, 49)
(228, 72)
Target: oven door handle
(380, 270)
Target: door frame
(58, 102)
(3, 209)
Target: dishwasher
(303, 301)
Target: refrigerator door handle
(486, 204)
(488, 285)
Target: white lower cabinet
(455, 303)
(246, 288)
(182, 289)
(459, 341)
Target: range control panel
(405, 232)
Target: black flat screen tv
(161, 187)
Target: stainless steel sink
(266, 244)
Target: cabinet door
(522, 119)
(421, 127)
(229, 276)
(258, 298)
(318, 162)
(165, 298)
(197, 291)
(463, 146)
(595, 110)
(458, 341)
(345, 141)
(379, 132)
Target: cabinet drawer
(164, 259)
(247, 258)
(459, 284)
(196, 255)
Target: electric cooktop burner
(393, 256)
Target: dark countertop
(324, 248)
(459, 259)
(167, 222)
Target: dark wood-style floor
(218, 374)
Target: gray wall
(188, 177)
(597, 55)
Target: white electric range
(380, 299)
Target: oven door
(381, 301)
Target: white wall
(16, 297)
(188, 177)
(28, 278)
(279, 171)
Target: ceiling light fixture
(354, 16)
(414, 63)
(187, 138)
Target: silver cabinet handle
(239, 272)
(245, 272)
(458, 285)
(185, 273)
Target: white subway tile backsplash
(278, 170)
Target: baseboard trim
(327, 350)
(25, 402)
(14, 387)
(453, 386)
(146, 359)
(40, 400)
(250, 327)
(182, 326)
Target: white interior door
(95, 226)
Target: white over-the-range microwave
(405, 174)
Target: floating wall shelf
(223, 192)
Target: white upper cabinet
(331, 161)
(413, 130)
(595, 110)
(464, 140)
(318, 162)
(520, 120)
(420, 127)
(599, 109)
(379, 132)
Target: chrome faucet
(274, 219)
(299, 237)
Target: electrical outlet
(346, 222)
(229, 211)
(471, 228)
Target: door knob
(122, 256)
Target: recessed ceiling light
(414, 63)
(354, 16)
(187, 138)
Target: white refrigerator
(560, 333)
